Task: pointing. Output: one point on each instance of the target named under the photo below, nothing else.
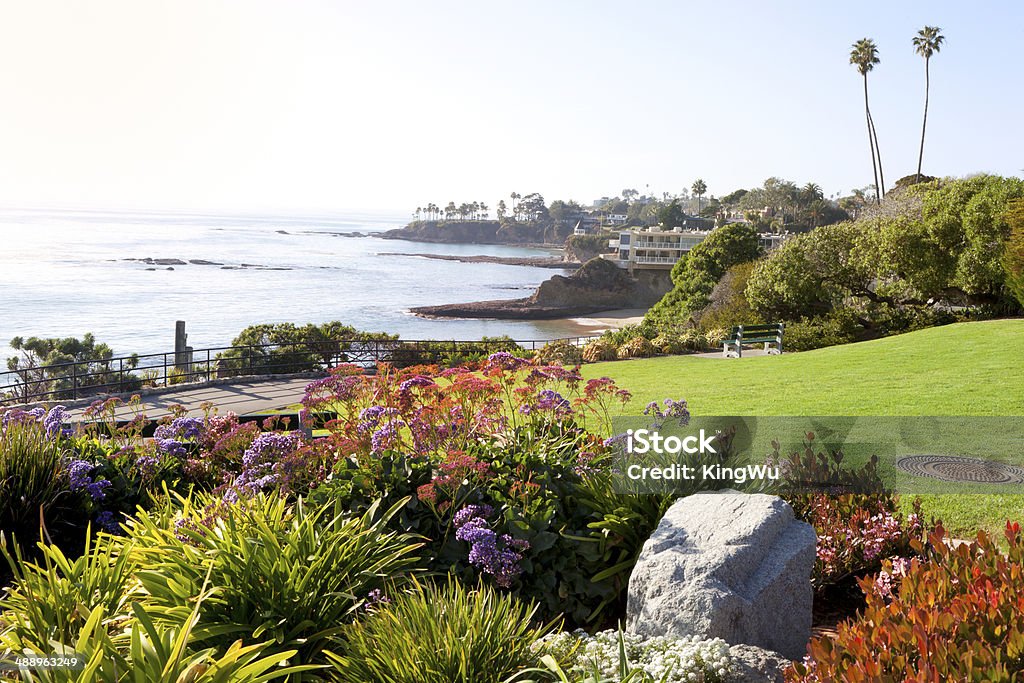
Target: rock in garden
(751, 664)
(730, 565)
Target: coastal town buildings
(656, 248)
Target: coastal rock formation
(532, 261)
(728, 565)
(474, 232)
(598, 285)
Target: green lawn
(968, 369)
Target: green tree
(927, 42)
(1013, 255)
(699, 188)
(864, 56)
(70, 367)
(671, 215)
(502, 209)
(695, 275)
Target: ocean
(67, 272)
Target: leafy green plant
(599, 350)
(51, 600)
(282, 571)
(89, 609)
(637, 347)
(560, 351)
(1013, 254)
(668, 344)
(440, 634)
(33, 482)
(837, 327)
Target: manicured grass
(962, 369)
(968, 369)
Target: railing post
(120, 375)
(74, 381)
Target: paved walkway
(242, 397)
(747, 353)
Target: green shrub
(693, 340)
(957, 615)
(276, 348)
(637, 347)
(622, 335)
(85, 368)
(281, 571)
(668, 344)
(51, 600)
(446, 634)
(727, 302)
(835, 328)
(560, 351)
(89, 608)
(1013, 255)
(599, 350)
(33, 481)
(715, 336)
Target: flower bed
(481, 488)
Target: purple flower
(109, 521)
(384, 438)
(54, 421)
(417, 381)
(553, 401)
(259, 460)
(505, 361)
(146, 465)
(79, 479)
(467, 513)
(181, 429)
(496, 555)
(370, 418)
(171, 447)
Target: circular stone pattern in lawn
(958, 468)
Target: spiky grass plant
(282, 572)
(441, 634)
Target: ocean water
(68, 272)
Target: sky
(300, 105)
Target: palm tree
(699, 188)
(864, 56)
(927, 42)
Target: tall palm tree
(699, 188)
(864, 56)
(927, 42)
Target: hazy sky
(334, 104)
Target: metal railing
(124, 374)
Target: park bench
(769, 335)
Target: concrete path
(244, 397)
(747, 353)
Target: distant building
(655, 248)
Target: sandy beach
(607, 320)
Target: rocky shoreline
(533, 261)
(598, 285)
(506, 309)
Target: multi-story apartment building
(655, 248)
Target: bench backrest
(758, 329)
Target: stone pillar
(181, 354)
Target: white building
(655, 248)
